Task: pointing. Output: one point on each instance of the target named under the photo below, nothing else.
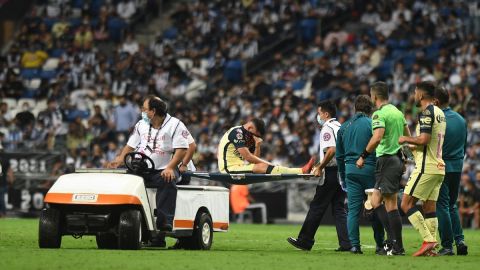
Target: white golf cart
(118, 208)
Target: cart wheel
(107, 241)
(202, 236)
(49, 231)
(130, 230)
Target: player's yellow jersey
(228, 155)
(428, 158)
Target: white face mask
(320, 121)
(145, 118)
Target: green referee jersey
(392, 120)
(453, 150)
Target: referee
(388, 124)
(353, 137)
(453, 153)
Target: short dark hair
(427, 87)
(259, 125)
(442, 95)
(380, 89)
(158, 104)
(329, 107)
(363, 103)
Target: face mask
(145, 118)
(320, 121)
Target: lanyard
(156, 135)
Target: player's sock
(432, 223)
(418, 222)
(396, 225)
(381, 213)
(285, 170)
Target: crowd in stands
(60, 91)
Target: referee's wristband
(365, 154)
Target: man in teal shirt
(352, 139)
(453, 152)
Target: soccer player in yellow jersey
(239, 152)
(426, 179)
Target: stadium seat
(298, 85)
(48, 74)
(57, 52)
(29, 73)
(51, 64)
(41, 104)
(386, 68)
(233, 71)
(115, 28)
(95, 6)
(409, 60)
(31, 103)
(170, 33)
(308, 29)
(49, 22)
(404, 43)
(75, 22)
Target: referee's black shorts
(388, 173)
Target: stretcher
(247, 178)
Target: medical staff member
(329, 190)
(164, 139)
(353, 137)
(453, 152)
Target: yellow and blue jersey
(234, 138)
(428, 158)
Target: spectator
(130, 45)
(52, 120)
(126, 9)
(33, 57)
(125, 115)
(83, 37)
(468, 203)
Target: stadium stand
(204, 64)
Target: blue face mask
(320, 121)
(145, 118)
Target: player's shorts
(243, 168)
(424, 186)
(388, 174)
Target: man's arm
(10, 176)
(406, 131)
(375, 140)
(371, 146)
(168, 174)
(422, 139)
(258, 146)
(119, 159)
(188, 156)
(329, 154)
(425, 120)
(248, 156)
(340, 154)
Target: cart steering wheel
(139, 163)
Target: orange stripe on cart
(220, 225)
(185, 223)
(98, 199)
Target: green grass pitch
(243, 247)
